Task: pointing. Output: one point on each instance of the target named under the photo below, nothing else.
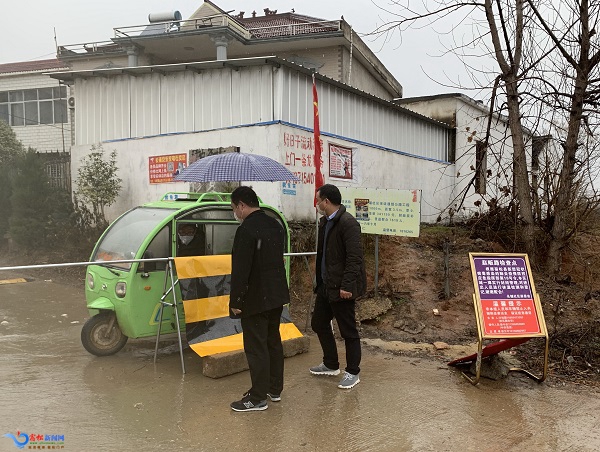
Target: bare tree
(508, 49)
(571, 27)
(548, 55)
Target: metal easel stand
(544, 372)
(163, 304)
(474, 381)
(546, 347)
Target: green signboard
(384, 211)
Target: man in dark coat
(259, 290)
(190, 240)
(341, 278)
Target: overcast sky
(28, 27)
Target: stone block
(229, 363)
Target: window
(29, 107)
(31, 113)
(197, 244)
(46, 112)
(125, 236)
(219, 238)
(160, 246)
(17, 115)
(480, 167)
(4, 113)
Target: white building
(262, 106)
(331, 47)
(480, 170)
(35, 105)
(175, 90)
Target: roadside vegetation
(38, 217)
(537, 62)
(412, 283)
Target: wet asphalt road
(50, 385)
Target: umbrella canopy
(233, 167)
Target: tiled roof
(274, 25)
(31, 66)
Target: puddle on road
(50, 384)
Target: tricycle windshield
(125, 236)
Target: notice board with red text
(163, 168)
(506, 302)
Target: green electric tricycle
(125, 298)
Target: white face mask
(238, 219)
(320, 211)
(185, 239)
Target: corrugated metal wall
(349, 115)
(124, 106)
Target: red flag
(318, 175)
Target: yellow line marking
(236, 341)
(12, 281)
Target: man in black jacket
(259, 290)
(190, 240)
(341, 277)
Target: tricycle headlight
(121, 289)
(90, 281)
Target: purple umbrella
(234, 167)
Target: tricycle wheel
(98, 340)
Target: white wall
(372, 168)
(471, 126)
(357, 75)
(104, 61)
(152, 115)
(471, 122)
(133, 155)
(42, 137)
(326, 58)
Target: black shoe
(247, 405)
(271, 395)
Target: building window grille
(28, 107)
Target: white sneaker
(322, 369)
(349, 381)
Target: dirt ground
(127, 402)
(412, 286)
(412, 305)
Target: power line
(37, 123)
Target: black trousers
(262, 344)
(344, 313)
